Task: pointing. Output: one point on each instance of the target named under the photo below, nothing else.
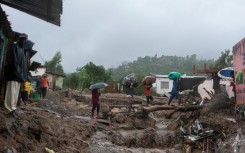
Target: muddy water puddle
(135, 141)
(87, 118)
(101, 142)
(162, 123)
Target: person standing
(44, 85)
(95, 102)
(174, 91)
(38, 86)
(147, 92)
(233, 84)
(130, 95)
(15, 74)
(25, 92)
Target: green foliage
(72, 80)
(225, 60)
(54, 64)
(159, 65)
(87, 75)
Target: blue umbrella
(98, 85)
(226, 73)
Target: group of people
(17, 75)
(129, 92)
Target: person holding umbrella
(95, 96)
(95, 102)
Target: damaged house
(55, 80)
(47, 10)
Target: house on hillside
(55, 80)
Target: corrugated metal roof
(34, 66)
(32, 53)
(47, 10)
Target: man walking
(44, 85)
(174, 92)
(147, 92)
(16, 73)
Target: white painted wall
(162, 79)
(38, 72)
(59, 82)
(208, 85)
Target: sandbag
(148, 80)
(130, 80)
(174, 75)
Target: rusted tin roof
(34, 66)
(47, 10)
(5, 24)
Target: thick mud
(63, 124)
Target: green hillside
(159, 65)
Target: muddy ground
(62, 123)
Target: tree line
(90, 73)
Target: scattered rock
(120, 118)
(18, 138)
(143, 123)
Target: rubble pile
(62, 123)
(38, 130)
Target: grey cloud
(108, 32)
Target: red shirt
(44, 82)
(95, 97)
(147, 91)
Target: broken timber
(177, 108)
(147, 110)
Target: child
(95, 102)
(26, 89)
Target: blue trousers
(173, 95)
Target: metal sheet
(47, 10)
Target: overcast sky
(108, 32)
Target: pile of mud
(37, 130)
(148, 138)
(62, 123)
